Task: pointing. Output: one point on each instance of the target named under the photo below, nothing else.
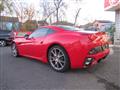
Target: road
(29, 74)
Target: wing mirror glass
(26, 36)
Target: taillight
(98, 37)
(92, 37)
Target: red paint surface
(108, 3)
(76, 44)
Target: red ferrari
(63, 47)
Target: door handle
(20, 43)
(41, 42)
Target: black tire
(3, 43)
(59, 61)
(14, 50)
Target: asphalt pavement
(28, 74)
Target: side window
(50, 31)
(39, 33)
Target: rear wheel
(3, 43)
(58, 59)
(14, 50)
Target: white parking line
(114, 46)
(111, 51)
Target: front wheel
(58, 58)
(3, 43)
(14, 50)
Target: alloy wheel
(2, 43)
(14, 50)
(58, 59)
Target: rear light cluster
(101, 36)
(99, 49)
(92, 37)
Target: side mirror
(26, 36)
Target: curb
(114, 46)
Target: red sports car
(63, 47)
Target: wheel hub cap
(57, 58)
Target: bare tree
(52, 10)
(77, 11)
(29, 12)
(76, 16)
(60, 5)
(5, 5)
(48, 10)
(19, 9)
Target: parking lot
(28, 74)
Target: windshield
(70, 28)
(9, 26)
(21, 34)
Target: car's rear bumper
(96, 58)
(78, 56)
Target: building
(63, 23)
(42, 23)
(98, 25)
(114, 5)
(29, 25)
(9, 23)
(102, 25)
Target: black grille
(99, 49)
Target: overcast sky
(91, 10)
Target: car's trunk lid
(95, 36)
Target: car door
(23, 45)
(37, 42)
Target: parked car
(21, 34)
(5, 37)
(63, 47)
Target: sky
(91, 10)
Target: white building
(114, 5)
